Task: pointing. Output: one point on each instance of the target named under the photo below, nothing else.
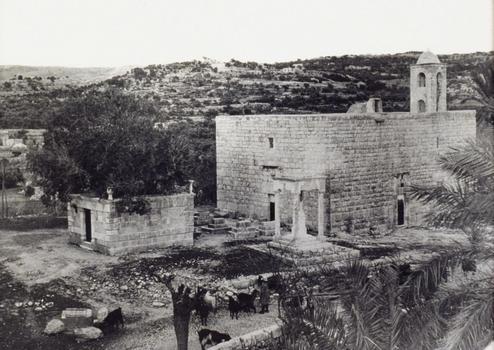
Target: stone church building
(345, 171)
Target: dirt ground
(41, 274)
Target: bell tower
(428, 84)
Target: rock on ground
(54, 326)
(101, 314)
(88, 333)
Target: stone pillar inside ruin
(277, 219)
(299, 229)
(321, 210)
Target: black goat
(274, 282)
(202, 308)
(211, 337)
(234, 307)
(246, 301)
(113, 320)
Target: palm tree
(375, 310)
(483, 78)
(467, 203)
(369, 307)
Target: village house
(341, 172)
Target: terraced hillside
(327, 84)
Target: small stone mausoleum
(95, 223)
(341, 172)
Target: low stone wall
(170, 222)
(250, 339)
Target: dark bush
(13, 177)
(29, 191)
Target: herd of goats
(205, 301)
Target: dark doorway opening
(401, 212)
(271, 211)
(87, 221)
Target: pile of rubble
(38, 305)
(79, 322)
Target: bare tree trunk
(181, 319)
(183, 304)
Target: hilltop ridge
(318, 85)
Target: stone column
(321, 211)
(299, 229)
(277, 219)
(295, 210)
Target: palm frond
(421, 327)
(472, 327)
(473, 161)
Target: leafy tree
(139, 73)
(194, 152)
(102, 140)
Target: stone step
(215, 230)
(86, 245)
(218, 221)
(243, 223)
(266, 232)
(244, 234)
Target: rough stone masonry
(369, 158)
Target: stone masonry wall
(364, 156)
(169, 222)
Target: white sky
(139, 32)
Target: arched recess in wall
(421, 79)
(439, 89)
(421, 106)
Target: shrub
(136, 205)
(13, 177)
(29, 191)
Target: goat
(246, 301)
(211, 337)
(113, 320)
(234, 307)
(211, 301)
(201, 307)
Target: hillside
(26, 79)
(326, 84)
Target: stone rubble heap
(78, 322)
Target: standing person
(264, 297)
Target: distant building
(341, 172)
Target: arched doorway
(421, 106)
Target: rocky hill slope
(320, 85)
